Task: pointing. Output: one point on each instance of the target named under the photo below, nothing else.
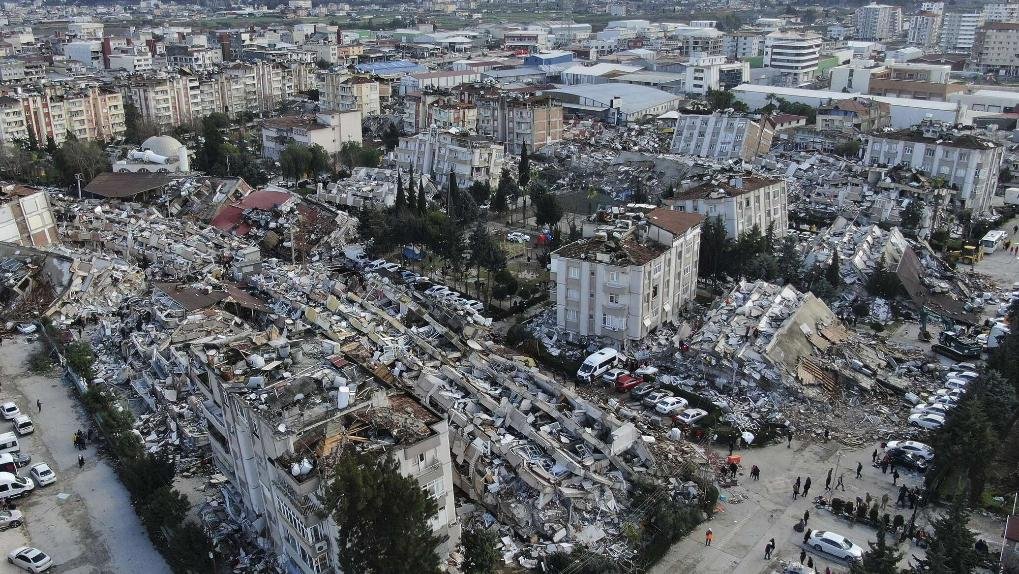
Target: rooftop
(625, 251)
(675, 222)
(727, 187)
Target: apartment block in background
(721, 136)
(516, 120)
(329, 130)
(434, 153)
(741, 201)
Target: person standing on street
(859, 469)
(38, 404)
(806, 487)
(81, 461)
(895, 477)
(827, 481)
(839, 483)
(803, 556)
(873, 456)
(769, 548)
(796, 488)
(708, 536)
(884, 500)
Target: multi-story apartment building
(793, 54)
(878, 22)
(857, 115)
(434, 153)
(88, 52)
(194, 58)
(278, 425)
(329, 130)
(86, 111)
(13, 126)
(996, 49)
(959, 30)
(916, 81)
(517, 120)
(925, 30)
(448, 115)
(12, 70)
(1001, 12)
(528, 41)
(85, 30)
(743, 44)
(721, 136)
(969, 164)
(343, 92)
(689, 41)
(742, 202)
(132, 60)
(627, 277)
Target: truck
(1012, 196)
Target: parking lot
(84, 520)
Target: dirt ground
(85, 520)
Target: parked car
(652, 399)
(10, 519)
(968, 375)
(13, 486)
(670, 405)
(42, 474)
(517, 237)
(835, 545)
(956, 384)
(927, 421)
(628, 382)
(30, 559)
(936, 408)
(641, 391)
(690, 416)
(612, 375)
(954, 394)
(10, 411)
(913, 446)
(907, 459)
(647, 372)
(23, 425)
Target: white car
(912, 446)
(10, 519)
(944, 400)
(42, 474)
(690, 416)
(936, 408)
(954, 394)
(646, 372)
(927, 421)
(437, 291)
(31, 559)
(517, 237)
(670, 405)
(611, 375)
(968, 375)
(835, 545)
(10, 411)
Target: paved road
(85, 520)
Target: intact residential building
(793, 54)
(86, 111)
(343, 92)
(434, 153)
(721, 136)
(969, 164)
(878, 22)
(536, 121)
(744, 44)
(741, 201)
(914, 81)
(959, 30)
(444, 79)
(996, 49)
(925, 30)
(329, 130)
(628, 277)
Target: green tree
(849, 149)
(422, 198)
(499, 202)
(33, 142)
(412, 198)
(294, 161)
(212, 155)
(144, 475)
(714, 245)
(136, 128)
(188, 548)
(382, 517)
(879, 559)
(547, 211)
(524, 167)
(391, 137)
(790, 262)
(401, 198)
(954, 539)
(84, 157)
(912, 214)
(723, 100)
(883, 282)
(165, 508)
(480, 191)
(834, 271)
(81, 359)
(51, 145)
(480, 553)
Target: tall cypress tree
(880, 559)
(452, 192)
(422, 198)
(401, 198)
(833, 274)
(412, 201)
(524, 168)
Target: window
(654, 292)
(571, 314)
(929, 152)
(614, 276)
(573, 294)
(614, 298)
(574, 272)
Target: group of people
(81, 438)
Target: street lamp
(78, 177)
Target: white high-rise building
(794, 54)
(1001, 12)
(925, 29)
(958, 30)
(878, 22)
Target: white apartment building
(329, 130)
(134, 61)
(1002, 12)
(13, 126)
(628, 278)
(88, 52)
(878, 22)
(996, 49)
(85, 30)
(529, 41)
(743, 44)
(721, 136)
(443, 79)
(969, 164)
(343, 92)
(28, 220)
(855, 76)
(925, 30)
(794, 54)
(741, 201)
(273, 442)
(959, 30)
(435, 153)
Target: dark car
(641, 391)
(907, 459)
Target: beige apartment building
(26, 218)
(741, 201)
(329, 130)
(634, 273)
(87, 112)
(513, 120)
(721, 136)
(434, 153)
(996, 49)
(343, 92)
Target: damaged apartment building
(632, 272)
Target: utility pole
(78, 178)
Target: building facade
(343, 92)
(996, 49)
(878, 22)
(86, 111)
(627, 278)
(435, 153)
(27, 219)
(329, 130)
(794, 54)
(959, 30)
(721, 136)
(742, 202)
(969, 164)
(925, 30)
(516, 121)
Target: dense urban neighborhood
(557, 286)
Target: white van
(12, 486)
(993, 241)
(597, 363)
(23, 425)
(9, 443)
